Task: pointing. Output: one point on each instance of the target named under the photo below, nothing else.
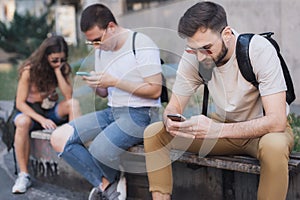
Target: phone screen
(83, 74)
(176, 117)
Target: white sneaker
(22, 183)
(95, 194)
(116, 191)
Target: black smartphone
(176, 117)
(83, 74)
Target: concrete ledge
(41, 134)
(245, 164)
(46, 166)
(194, 176)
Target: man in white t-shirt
(132, 83)
(247, 120)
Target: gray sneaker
(95, 194)
(22, 183)
(116, 191)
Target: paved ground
(39, 191)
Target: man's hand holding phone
(176, 117)
(98, 79)
(174, 123)
(89, 77)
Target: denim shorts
(51, 113)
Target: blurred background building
(159, 18)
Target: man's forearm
(146, 90)
(249, 129)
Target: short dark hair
(96, 15)
(206, 15)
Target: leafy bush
(295, 123)
(25, 33)
(8, 84)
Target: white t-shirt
(124, 65)
(235, 98)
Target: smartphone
(83, 74)
(176, 117)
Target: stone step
(46, 166)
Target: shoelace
(22, 179)
(103, 197)
(115, 197)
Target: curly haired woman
(37, 102)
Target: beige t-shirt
(235, 98)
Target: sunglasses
(98, 41)
(57, 60)
(203, 50)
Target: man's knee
(153, 129)
(274, 149)
(274, 143)
(60, 136)
(153, 135)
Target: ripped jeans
(110, 133)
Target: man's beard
(219, 60)
(210, 63)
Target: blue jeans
(111, 132)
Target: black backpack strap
(205, 100)
(290, 94)
(164, 97)
(205, 91)
(242, 56)
(133, 43)
(268, 36)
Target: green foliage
(88, 101)
(77, 55)
(25, 33)
(83, 60)
(8, 84)
(295, 123)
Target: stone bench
(211, 177)
(214, 177)
(47, 167)
(245, 164)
